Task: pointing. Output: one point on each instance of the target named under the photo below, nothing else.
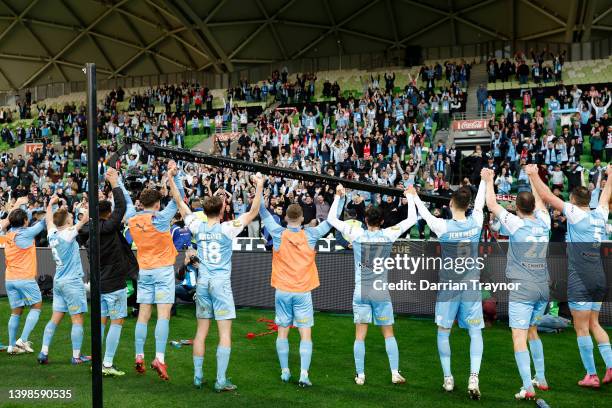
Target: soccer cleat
(360, 379)
(112, 371)
(25, 345)
(81, 360)
(161, 368)
(198, 382)
(449, 383)
(285, 376)
(14, 350)
(226, 386)
(589, 381)
(608, 377)
(139, 365)
(524, 394)
(43, 358)
(541, 385)
(304, 382)
(396, 378)
(473, 388)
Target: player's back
(215, 249)
(20, 262)
(585, 225)
(459, 241)
(528, 248)
(66, 254)
(368, 248)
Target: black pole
(94, 243)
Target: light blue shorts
(585, 306)
(156, 285)
(69, 296)
(468, 314)
(114, 304)
(214, 299)
(366, 310)
(293, 308)
(23, 293)
(522, 315)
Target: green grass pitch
(254, 368)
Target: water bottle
(540, 403)
(176, 344)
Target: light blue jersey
(526, 257)
(458, 238)
(586, 281)
(214, 245)
(370, 250)
(65, 250)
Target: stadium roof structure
(46, 41)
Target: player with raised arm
(369, 304)
(117, 262)
(156, 254)
(20, 276)
(68, 287)
(459, 238)
(214, 298)
(586, 279)
(294, 275)
(526, 267)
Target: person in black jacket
(117, 264)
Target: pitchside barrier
(251, 269)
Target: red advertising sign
(31, 147)
(467, 125)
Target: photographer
(187, 276)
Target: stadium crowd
(382, 137)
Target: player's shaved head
(294, 212)
(149, 197)
(18, 218)
(581, 196)
(461, 198)
(374, 216)
(213, 206)
(525, 202)
(60, 217)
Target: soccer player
(367, 304)
(68, 287)
(459, 238)
(21, 286)
(117, 262)
(294, 275)
(214, 299)
(586, 279)
(526, 266)
(156, 255)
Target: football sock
(305, 355)
(523, 362)
(359, 353)
(13, 325)
(282, 349)
(48, 336)
(102, 330)
(140, 336)
(223, 356)
(30, 323)
(444, 351)
(606, 354)
(76, 335)
(161, 338)
(392, 353)
(198, 361)
(585, 345)
(112, 341)
(476, 348)
(537, 354)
